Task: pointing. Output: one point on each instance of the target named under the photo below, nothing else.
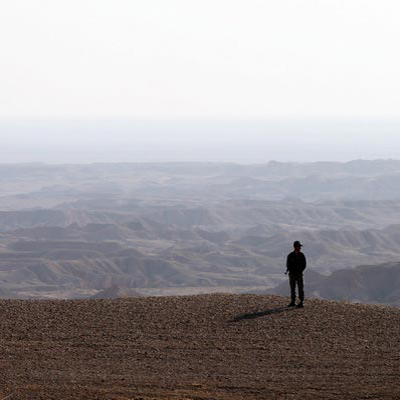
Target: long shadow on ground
(262, 313)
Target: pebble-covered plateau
(198, 347)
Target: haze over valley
(110, 230)
(137, 139)
(158, 160)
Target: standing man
(295, 264)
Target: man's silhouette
(295, 264)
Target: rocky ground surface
(198, 347)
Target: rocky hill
(198, 347)
(376, 284)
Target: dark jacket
(296, 263)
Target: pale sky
(199, 58)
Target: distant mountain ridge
(77, 230)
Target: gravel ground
(216, 346)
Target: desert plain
(219, 346)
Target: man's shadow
(259, 314)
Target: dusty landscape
(198, 347)
(106, 230)
(159, 163)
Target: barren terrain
(78, 231)
(198, 347)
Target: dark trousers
(293, 279)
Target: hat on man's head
(297, 243)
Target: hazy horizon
(217, 80)
(241, 141)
